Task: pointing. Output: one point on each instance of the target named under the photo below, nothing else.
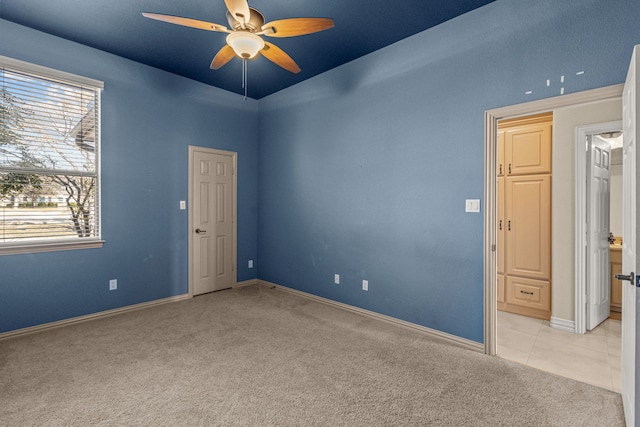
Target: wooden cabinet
(615, 256)
(501, 164)
(528, 234)
(532, 296)
(501, 225)
(524, 216)
(500, 283)
(528, 149)
(524, 145)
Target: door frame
(581, 218)
(234, 159)
(491, 118)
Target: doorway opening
(598, 220)
(564, 322)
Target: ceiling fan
(244, 38)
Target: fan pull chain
(244, 77)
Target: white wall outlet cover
(250, 263)
(113, 284)
(472, 205)
(336, 279)
(365, 285)
(183, 205)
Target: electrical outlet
(336, 279)
(113, 284)
(250, 263)
(183, 205)
(365, 285)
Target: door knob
(629, 278)
(200, 231)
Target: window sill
(49, 247)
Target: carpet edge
(451, 339)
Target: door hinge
(493, 248)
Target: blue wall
(361, 171)
(364, 170)
(149, 119)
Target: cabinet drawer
(529, 293)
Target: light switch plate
(183, 205)
(472, 205)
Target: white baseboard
(85, 318)
(451, 339)
(245, 283)
(563, 324)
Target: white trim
(581, 218)
(234, 158)
(88, 317)
(491, 118)
(245, 283)
(451, 339)
(562, 324)
(50, 247)
(27, 67)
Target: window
(49, 150)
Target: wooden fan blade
(187, 22)
(239, 9)
(223, 56)
(296, 26)
(278, 56)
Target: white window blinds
(49, 155)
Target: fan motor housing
(256, 21)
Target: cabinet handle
(500, 226)
(500, 169)
(509, 168)
(509, 225)
(526, 293)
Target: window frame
(62, 244)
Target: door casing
(234, 157)
(491, 118)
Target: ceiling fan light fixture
(245, 44)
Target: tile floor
(592, 358)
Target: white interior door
(599, 276)
(630, 303)
(213, 221)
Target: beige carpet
(256, 356)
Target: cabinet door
(501, 225)
(528, 233)
(616, 285)
(528, 149)
(500, 283)
(501, 165)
